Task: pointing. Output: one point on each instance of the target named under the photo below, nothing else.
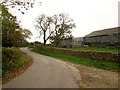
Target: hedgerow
(10, 59)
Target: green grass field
(81, 60)
(96, 49)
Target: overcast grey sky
(89, 15)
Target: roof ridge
(104, 32)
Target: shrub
(9, 58)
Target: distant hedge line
(9, 59)
(97, 55)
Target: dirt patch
(96, 78)
(16, 73)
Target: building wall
(66, 43)
(72, 42)
(78, 41)
(105, 40)
(112, 40)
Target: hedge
(9, 58)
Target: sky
(89, 15)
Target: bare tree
(43, 24)
(59, 27)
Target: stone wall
(66, 43)
(96, 55)
(78, 41)
(72, 42)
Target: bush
(9, 58)
(10, 53)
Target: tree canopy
(63, 26)
(12, 33)
(58, 26)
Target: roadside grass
(94, 49)
(0, 69)
(81, 60)
(98, 49)
(23, 59)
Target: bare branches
(22, 5)
(63, 26)
(43, 24)
(58, 26)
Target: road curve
(46, 72)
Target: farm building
(71, 42)
(104, 38)
(68, 42)
(78, 41)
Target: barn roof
(104, 32)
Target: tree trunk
(44, 38)
(56, 44)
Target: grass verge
(81, 60)
(19, 67)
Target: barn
(66, 43)
(103, 38)
(78, 41)
(71, 42)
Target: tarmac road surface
(46, 72)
